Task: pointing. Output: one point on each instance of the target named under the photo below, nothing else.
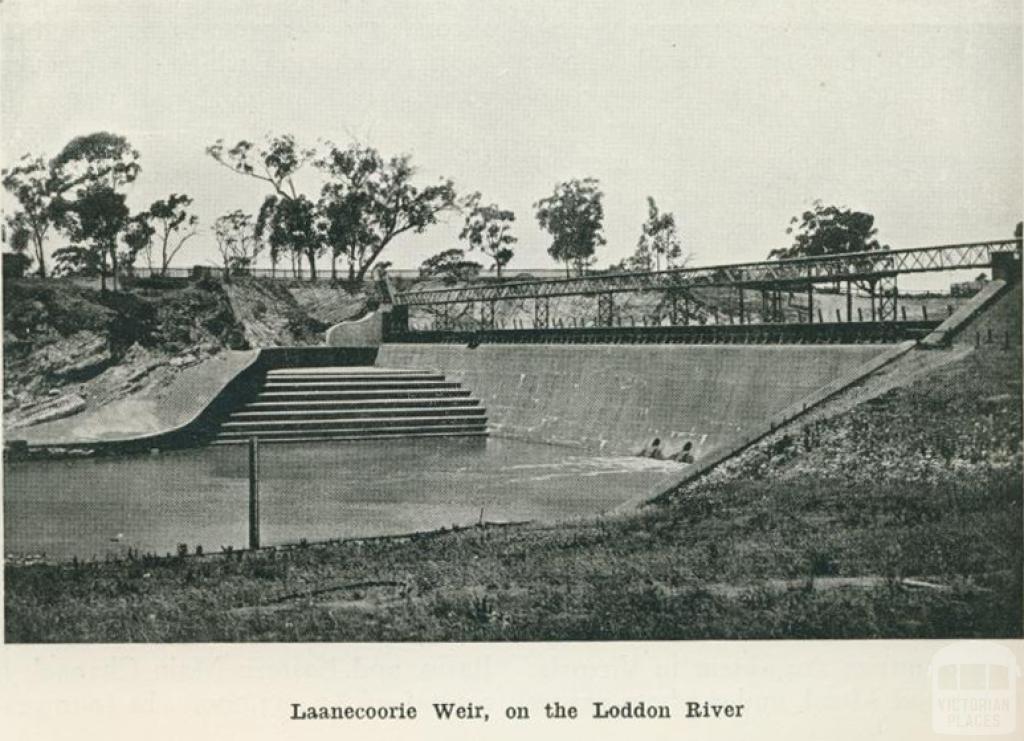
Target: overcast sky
(735, 120)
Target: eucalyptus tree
(488, 228)
(573, 215)
(286, 216)
(367, 201)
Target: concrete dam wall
(616, 398)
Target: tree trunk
(334, 268)
(311, 254)
(113, 264)
(103, 270)
(40, 258)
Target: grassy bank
(900, 518)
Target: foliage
(290, 224)
(173, 225)
(36, 188)
(659, 239)
(488, 228)
(830, 230)
(451, 266)
(573, 216)
(15, 264)
(95, 158)
(137, 238)
(367, 201)
(275, 161)
(93, 223)
(237, 241)
(287, 219)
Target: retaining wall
(616, 398)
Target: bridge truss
(873, 273)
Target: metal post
(254, 493)
(541, 314)
(606, 309)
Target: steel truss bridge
(683, 291)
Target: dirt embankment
(69, 349)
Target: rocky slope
(68, 349)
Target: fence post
(254, 493)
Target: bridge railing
(766, 292)
(770, 274)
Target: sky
(733, 116)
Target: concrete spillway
(617, 398)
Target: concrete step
(354, 403)
(353, 394)
(351, 423)
(354, 378)
(342, 370)
(462, 402)
(348, 438)
(353, 434)
(356, 385)
(377, 412)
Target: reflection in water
(89, 508)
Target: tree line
(364, 202)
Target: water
(94, 507)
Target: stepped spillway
(354, 403)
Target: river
(92, 508)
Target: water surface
(94, 507)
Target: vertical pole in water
(254, 493)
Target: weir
(705, 365)
(616, 399)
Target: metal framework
(879, 268)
